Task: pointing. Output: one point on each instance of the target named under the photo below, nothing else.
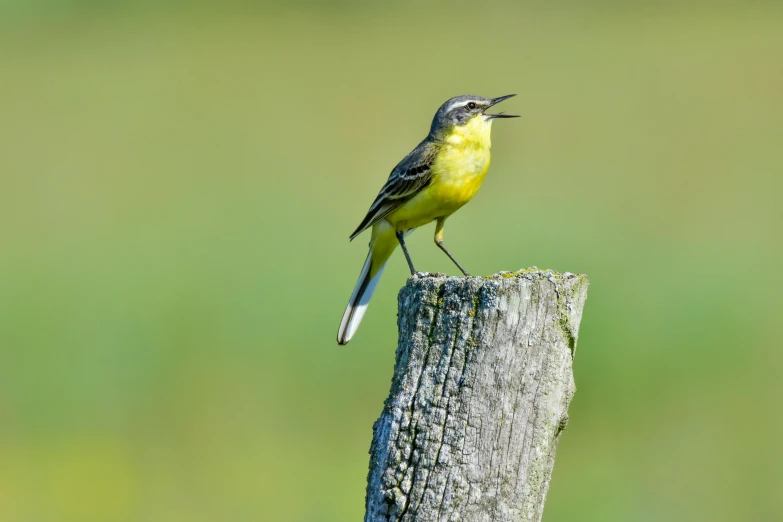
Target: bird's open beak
(495, 101)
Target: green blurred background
(178, 183)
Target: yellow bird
(439, 176)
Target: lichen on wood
(479, 397)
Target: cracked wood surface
(481, 387)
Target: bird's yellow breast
(463, 162)
(458, 171)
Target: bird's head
(464, 111)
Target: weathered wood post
(479, 397)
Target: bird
(432, 182)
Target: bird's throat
(474, 134)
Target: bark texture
(478, 401)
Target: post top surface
(530, 273)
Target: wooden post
(479, 397)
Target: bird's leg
(439, 242)
(400, 237)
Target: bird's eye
(472, 106)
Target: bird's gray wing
(407, 179)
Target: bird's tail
(360, 298)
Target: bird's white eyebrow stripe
(453, 105)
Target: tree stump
(481, 387)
